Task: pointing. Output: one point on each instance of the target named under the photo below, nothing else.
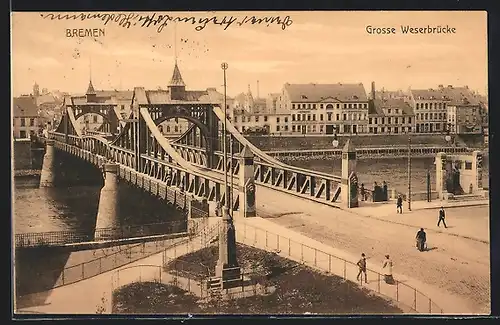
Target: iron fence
(331, 264)
(129, 253)
(59, 238)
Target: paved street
(455, 264)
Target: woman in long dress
(387, 270)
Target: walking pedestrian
(218, 209)
(384, 190)
(362, 191)
(442, 217)
(399, 204)
(362, 268)
(387, 270)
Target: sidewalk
(291, 249)
(85, 296)
(425, 215)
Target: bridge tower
(47, 175)
(247, 185)
(349, 186)
(107, 214)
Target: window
(409, 120)
(303, 105)
(426, 116)
(22, 134)
(344, 117)
(329, 106)
(349, 106)
(320, 105)
(308, 128)
(426, 106)
(256, 119)
(321, 117)
(416, 106)
(468, 165)
(397, 111)
(355, 105)
(314, 117)
(314, 128)
(308, 117)
(314, 106)
(396, 120)
(298, 117)
(370, 122)
(236, 119)
(277, 127)
(330, 116)
(286, 127)
(389, 111)
(303, 117)
(338, 105)
(277, 120)
(370, 130)
(286, 119)
(23, 122)
(123, 107)
(309, 106)
(440, 116)
(396, 129)
(94, 118)
(389, 121)
(321, 129)
(243, 119)
(293, 106)
(265, 118)
(337, 117)
(32, 122)
(293, 128)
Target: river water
(75, 208)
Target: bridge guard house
(247, 185)
(458, 174)
(349, 186)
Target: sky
(314, 47)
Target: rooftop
(379, 105)
(450, 94)
(313, 93)
(25, 106)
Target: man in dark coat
(441, 217)
(399, 204)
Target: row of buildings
(299, 109)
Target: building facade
(25, 117)
(390, 116)
(326, 108)
(464, 112)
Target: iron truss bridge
(191, 166)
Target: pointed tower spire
(90, 88)
(176, 77)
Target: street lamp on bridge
(227, 266)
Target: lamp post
(409, 172)
(225, 215)
(335, 142)
(447, 137)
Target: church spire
(176, 77)
(90, 88)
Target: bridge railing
(59, 238)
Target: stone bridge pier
(107, 214)
(47, 176)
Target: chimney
(373, 89)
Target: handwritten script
(160, 21)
